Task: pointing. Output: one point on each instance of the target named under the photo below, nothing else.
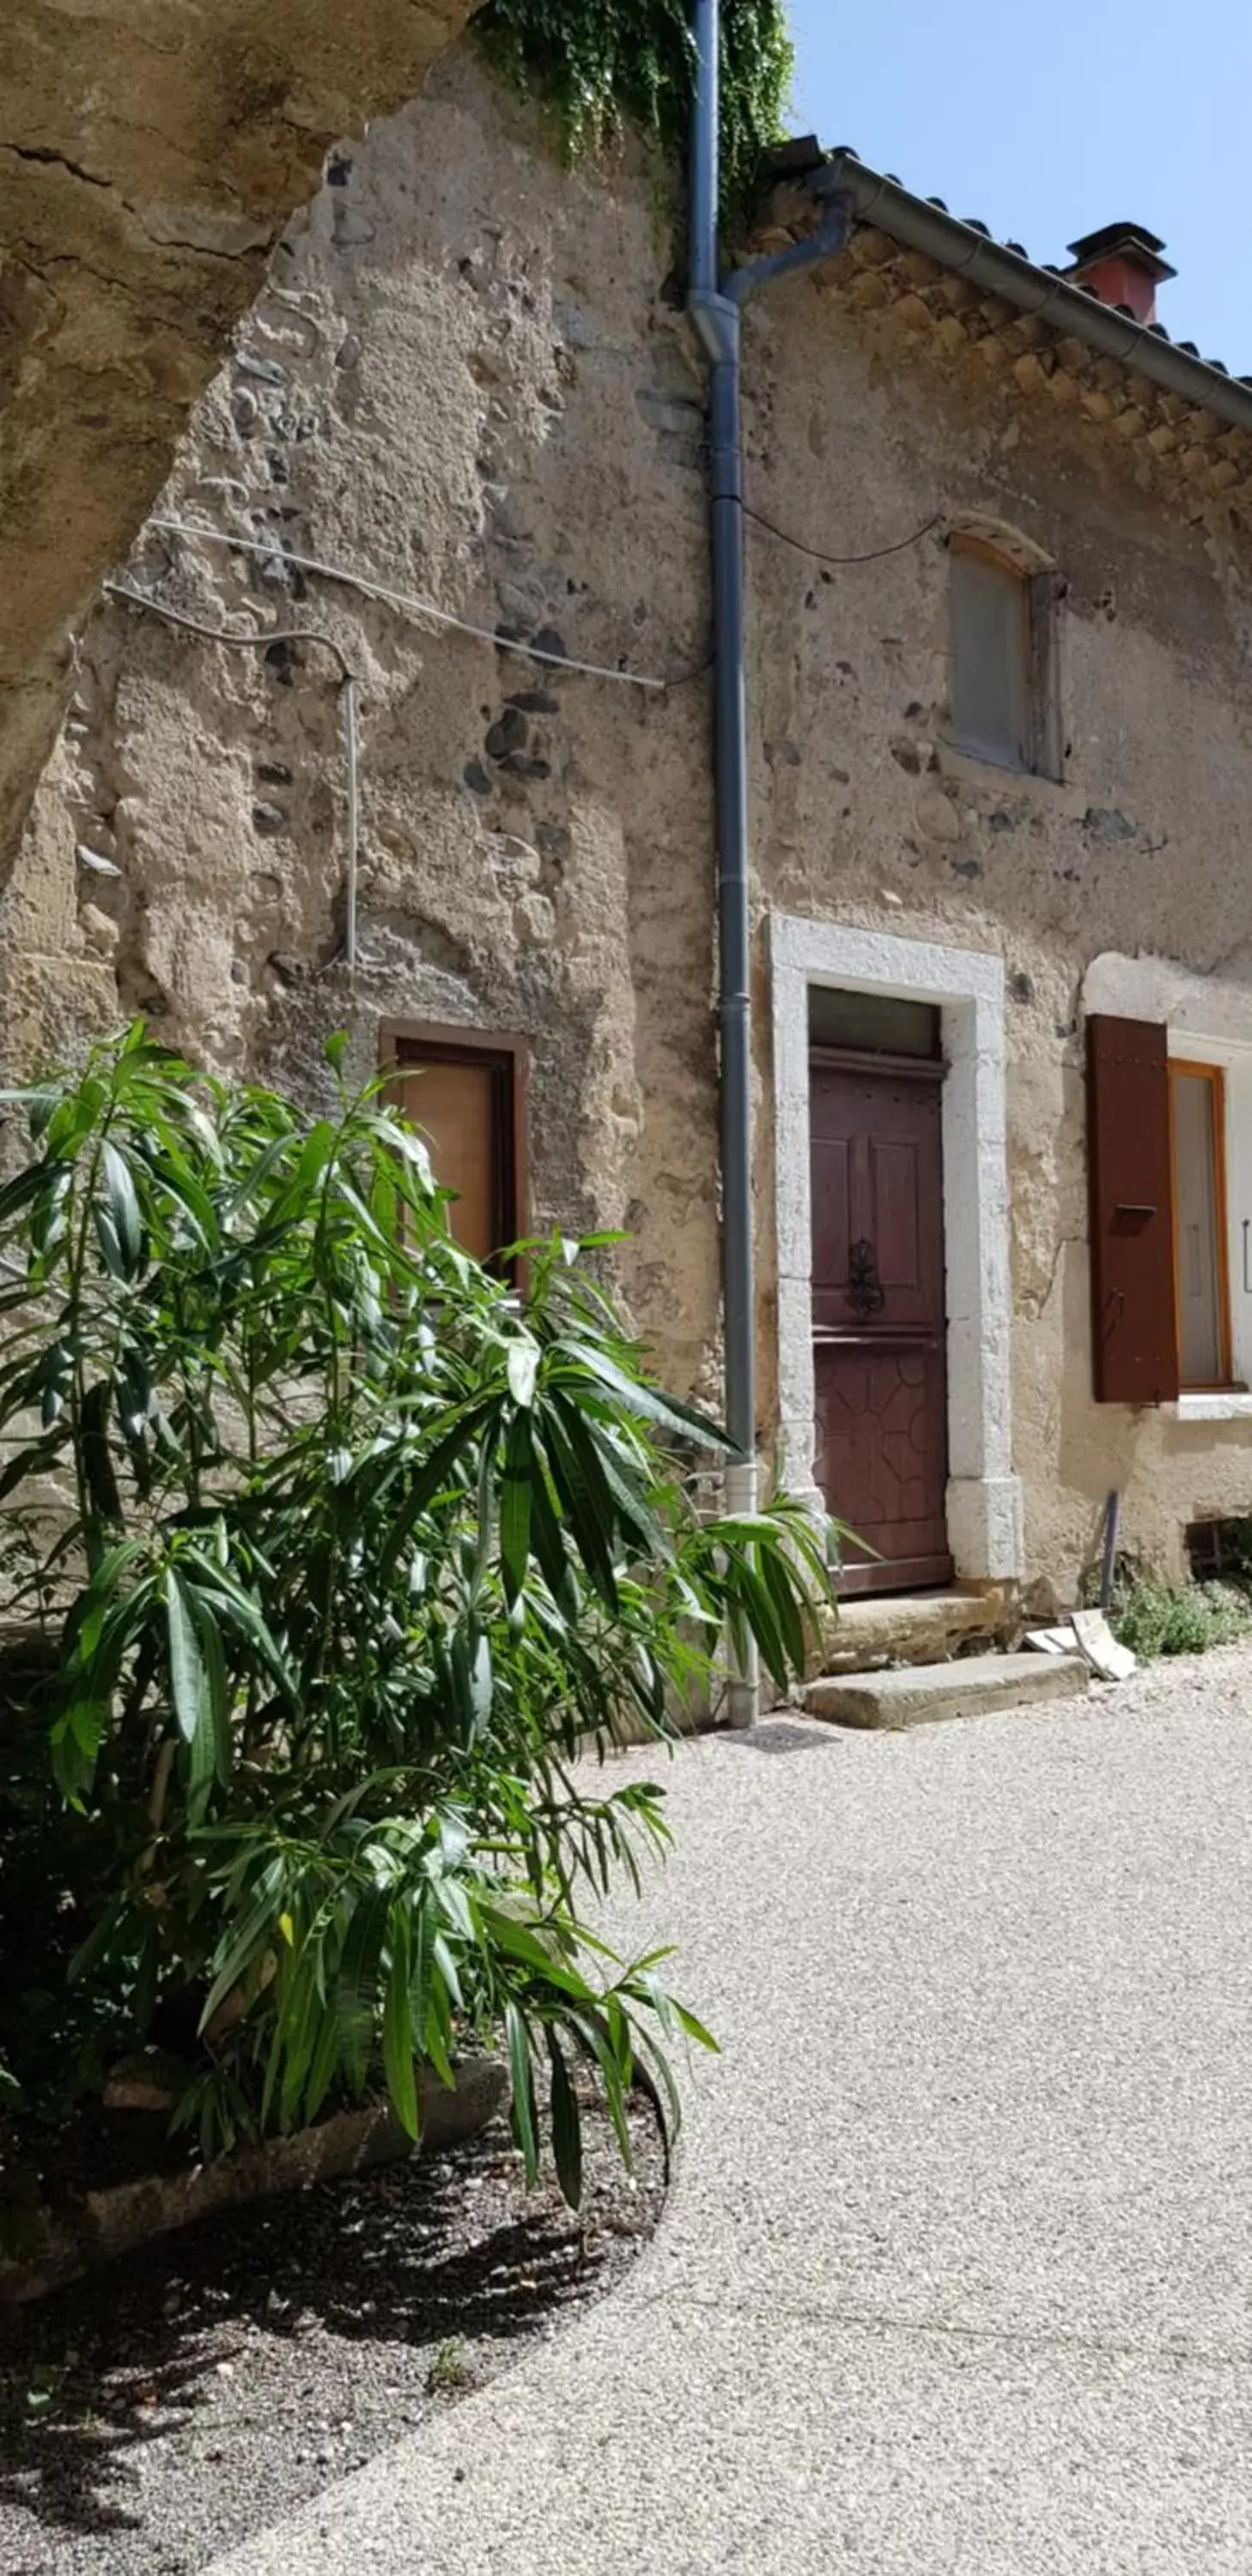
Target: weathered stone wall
(462, 380)
(149, 156)
(860, 432)
(467, 379)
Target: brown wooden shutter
(1135, 1333)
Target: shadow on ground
(781, 1735)
(283, 2343)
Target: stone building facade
(470, 382)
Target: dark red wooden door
(878, 1315)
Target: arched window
(1003, 657)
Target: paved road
(957, 2274)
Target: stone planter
(44, 2244)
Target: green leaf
(242, 1945)
(189, 1680)
(229, 1599)
(398, 2025)
(588, 1512)
(590, 2029)
(419, 1961)
(97, 1457)
(693, 2028)
(640, 1398)
(427, 1482)
(549, 1545)
(254, 1179)
(19, 1192)
(210, 1640)
(780, 1584)
(356, 1991)
(482, 1683)
(521, 2076)
(124, 1207)
(523, 1366)
(437, 2029)
(322, 2065)
(515, 1504)
(442, 1960)
(526, 1944)
(567, 2134)
(640, 1522)
(107, 1237)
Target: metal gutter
(876, 198)
(716, 321)
(715, 309)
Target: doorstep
(920, 1693)
(905, 1628)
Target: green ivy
(606, 64)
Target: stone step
(920, 1693)
(911, 1628)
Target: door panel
(879, 1463)
(897, 1226)
(878, 1316)
(877, 1179)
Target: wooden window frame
(1040, 590)
(1215, 1076)
(505, 1054)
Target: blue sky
(1048, 121)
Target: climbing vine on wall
(606, 64)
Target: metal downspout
(716, 319)
(715, 312)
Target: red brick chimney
(1121, 264)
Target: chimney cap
(1129, 241)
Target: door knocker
(866, 1295)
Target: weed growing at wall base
(1158, 1619)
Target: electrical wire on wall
(410, 605)
(876, 554)
(405, 603)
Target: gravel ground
(157, 2414)
(956, 2275)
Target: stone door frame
(984, 1507)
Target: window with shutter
(1004, 679)
(465, 1091)
(1134, 1313)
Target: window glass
(872, 1023)
(1199, 1225)
(991, 659)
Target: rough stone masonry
(149, 158)
(468, 376)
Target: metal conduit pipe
(716, 314)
